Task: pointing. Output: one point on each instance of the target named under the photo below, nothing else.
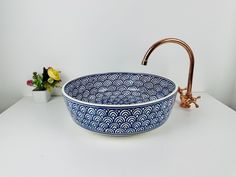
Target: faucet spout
(186, 98)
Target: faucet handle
(187, 99)
(194, 101)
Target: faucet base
(187, 99)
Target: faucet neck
(186, 47)
(186, 99)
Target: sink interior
(119, 88)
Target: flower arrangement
(49, 79)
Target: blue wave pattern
(119, 88)
(123, 120)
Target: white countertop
(41, 140)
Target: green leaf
(45, 74)
(50, 80)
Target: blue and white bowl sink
(120, 103)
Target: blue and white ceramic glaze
(120, 103)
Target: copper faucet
(186, 98)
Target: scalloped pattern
(124, 120)
(121, 121)
(119, 88)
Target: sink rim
(118, 105)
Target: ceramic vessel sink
(120, 103)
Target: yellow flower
(54, 74)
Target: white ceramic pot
(41, 96)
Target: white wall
(89, 36)
(233, 100)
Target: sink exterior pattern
(129, 109)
